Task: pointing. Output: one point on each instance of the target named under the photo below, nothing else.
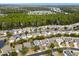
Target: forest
(21, 20)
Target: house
(29, 35)
(27, 44)
(59, 40)
(39, 12)
(18, 47)
(14, 38)
(44, 42)
(14, 32)
(17, 36)
(3, 33)
(23, 36)
(6, 49)
(36, 42)
(19, 31)
(11, 41)
(55, 9)
(51, 40)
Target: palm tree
(52, 45)
(59, 50)
(24, 50)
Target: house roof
(16, 36)
(27, 44)
(36, 42)
(18, 47)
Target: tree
(58, 35)
(4, 55)
(39, 37)
(52, 35)
(9, 34)
(67, 35)
(24, 50)
(21, 20)
(26, 32)
(31, 39)
(13, 53)
(35, 48)
(21, 41)
(49, 52)
(59, 50)
(52, 45)
(73, 35)
(65, 28)
(12, 45)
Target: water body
(1, 43)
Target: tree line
(20, 20)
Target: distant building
(56, 9)
(39, 12)
(3, 14)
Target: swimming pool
(1, 43)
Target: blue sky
(39, 1)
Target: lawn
(58, 54)
(63, 44)
(78, 44)
(71, 45)
(56, 44)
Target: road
(66, 48)
(38, 54)
(41, 53)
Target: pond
(1, 43)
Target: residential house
(27, 44)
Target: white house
(39, 12)
(23, 36)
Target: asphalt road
(38, 54)
(41, 53)
(77, 49)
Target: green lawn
(78, 44)
(56, 44)
(71, 45)
(63, 44)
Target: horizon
(37, 1)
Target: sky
(39, 1)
